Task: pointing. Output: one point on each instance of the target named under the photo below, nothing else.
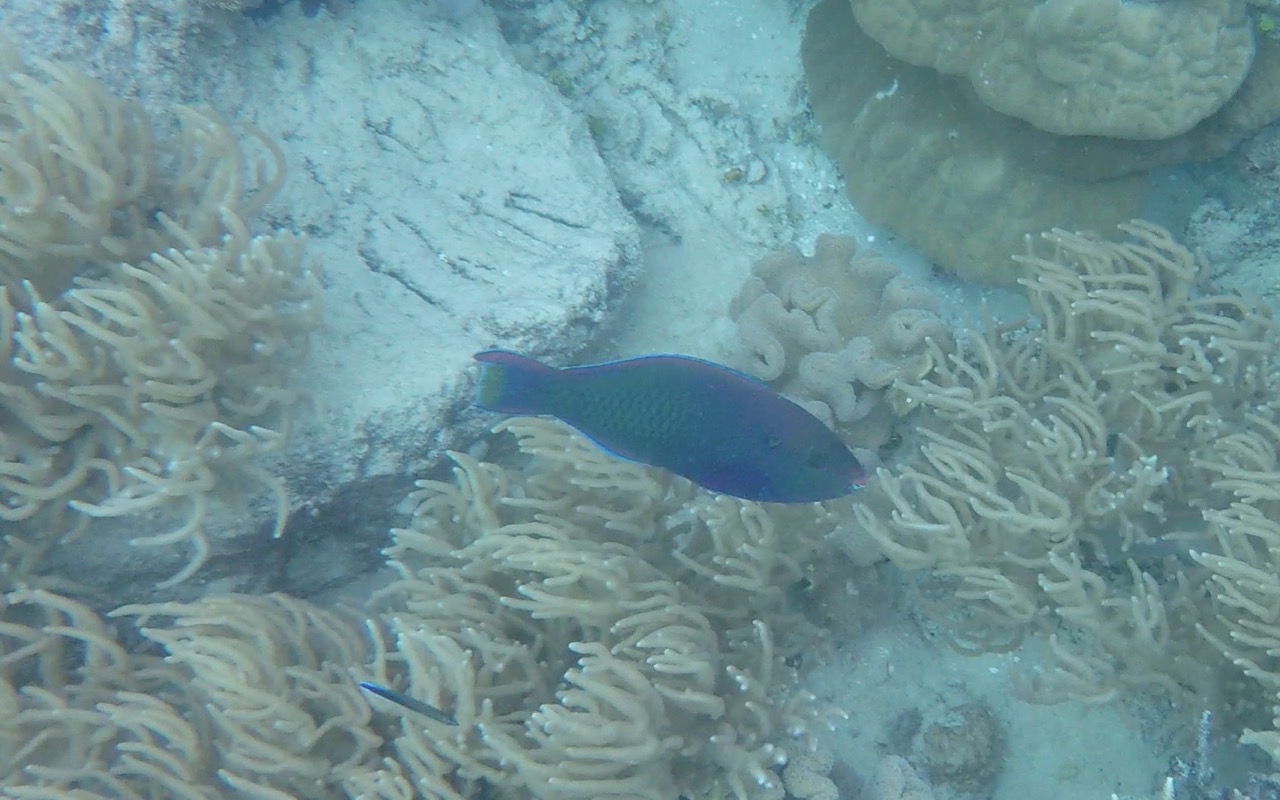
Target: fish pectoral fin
(736, 480)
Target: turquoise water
(247, 253)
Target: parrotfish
(719, 428)
(411, 703)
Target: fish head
(793, 456)
(809, 469)
(830, 463)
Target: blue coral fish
(715, 426)
(404, 700)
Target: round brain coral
(834, 330)
(1078, 67)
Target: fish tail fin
(512, 384)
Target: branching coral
(542, 607)
(1065, 469)
(583, 667)
(1243, 558)
(75, 174)
(273, 676)
(253, 697)
(146, 337)
(78, 712)
(86, 181)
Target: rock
(963, 749)
(455, 203)
(896, 780)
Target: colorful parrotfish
(715, 426)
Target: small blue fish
(401, 699)
(715, 426)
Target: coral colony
(1099, 479)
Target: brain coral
(927, 160)
(834, 330)
(1078, 67)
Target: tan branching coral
(274, 676)
(253, 696)
(586, 665)
(834, 330)
(75, 173)
(1243, 560)
(78, 710)
(86, 180)
(1066, 468)
(596, 628)
(146, 336)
